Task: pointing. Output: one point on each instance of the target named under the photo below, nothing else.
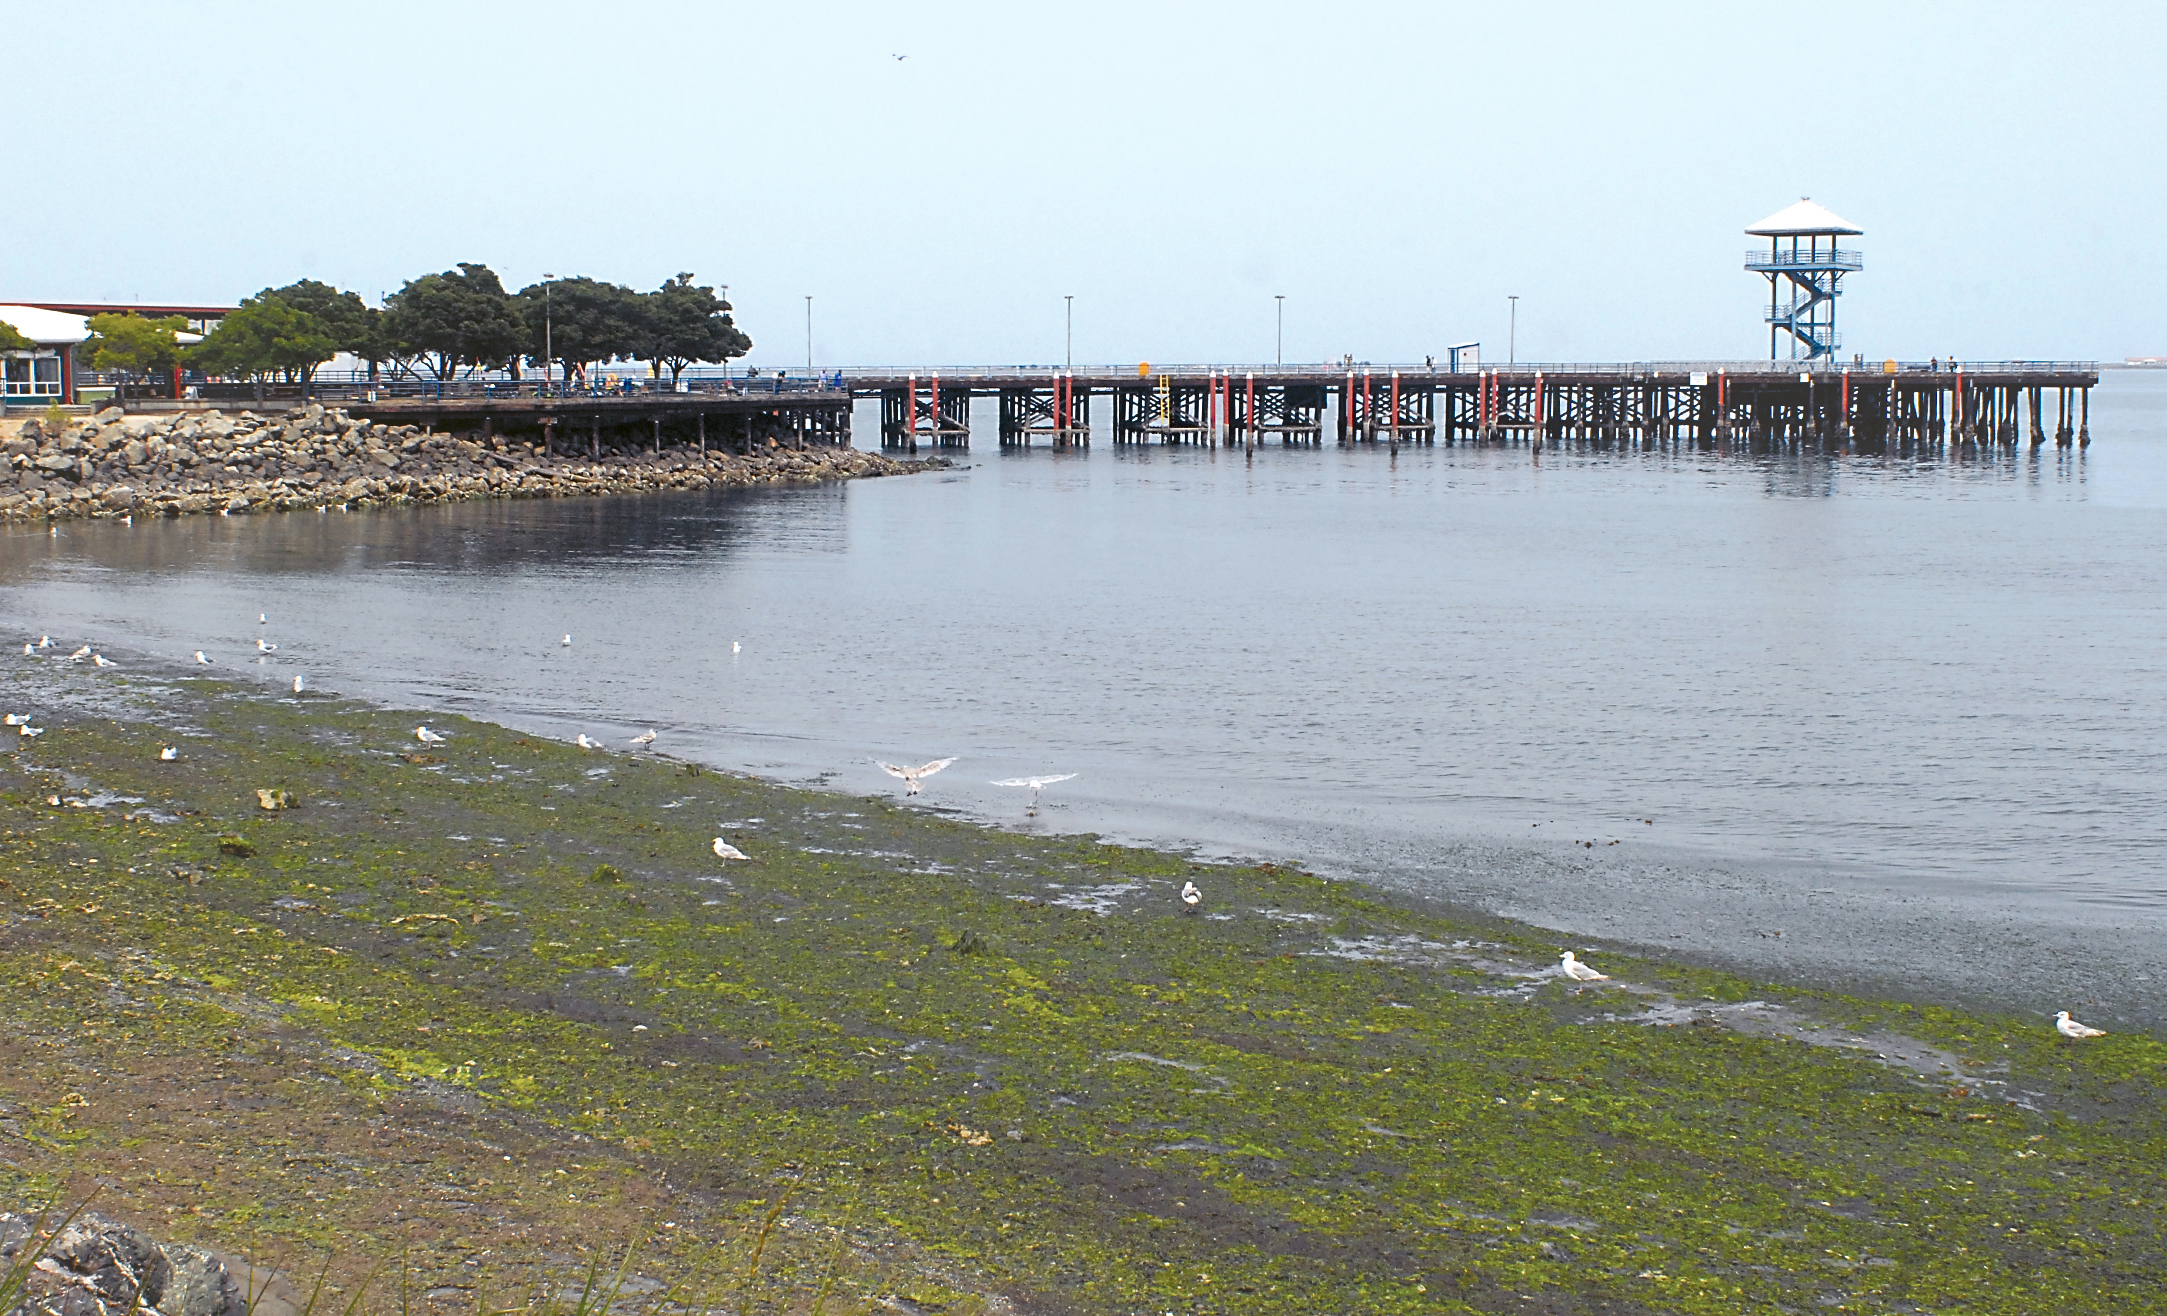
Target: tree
(681, 323)
(454, 320)
(575, 321)
(265, 334)
(129, 344)
(12, 340)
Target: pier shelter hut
(45, 373)
(1804, 281)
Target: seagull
(263, 619)
(735, 646)
(166, 754)
(567, 642)
(29, 650)
(100, 660)
(1579, 972)
(2070, 1028)
(645, 738)
(298, 684)
(80, 654)
(1190, 896)
(900, 58)
(427, 737)
(1036, 784)
(912, 776)
(728, 851)
(27, 731)
(585, 743)
(265, 646)
(45, 641)
(18, 719)
(201, 659)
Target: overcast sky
(1395, 171)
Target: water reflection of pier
(1778, 404)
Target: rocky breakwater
(92, 1265)
(115, 465)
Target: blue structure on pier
(1811, 275)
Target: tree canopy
(352, 324)
(266, 334)
(681, 323)
(454, 320)
(12, 340)
(132, 344)
(575, 321)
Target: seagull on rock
(645, 738)
(725, 850)
(1036, 784)
(1190, 896)
(427, 737)
(2070, 1028)
(201, 659)
(166, 754)
(1579, 972)
(912, 776)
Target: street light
(548, 343)
(1512, 340)
(1070, 298)
(1279, 353)
(808, 333)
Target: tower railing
(1845, 259)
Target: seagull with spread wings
(912, 776)
(1037, 784)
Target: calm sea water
(1939, 680)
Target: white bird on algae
(1578, 972)
(912, 776)
(2070, 1028)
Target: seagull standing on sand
(45, 641)
(100, 660)
(427, 737)
(567, 643)
(299, 684)
(201, 659)
(263, 619)
(725, 850)
(18, 719)
(912, 776)
(166, 754)
(29, 650)
(1036, 784)
(1579, 972)
(735, 646)
(265, 646)
(645, 738)
(80, 654)
(2070, 1028)
(1190, 896)
(28, 732)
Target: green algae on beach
(1013, 1066)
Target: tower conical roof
(1804, 219)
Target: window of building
(31, 376)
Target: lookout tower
(1806, 309)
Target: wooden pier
(732, 421)
(1888, 405)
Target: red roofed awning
(103, 308)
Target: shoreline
(1014, 1053)
(116, 465)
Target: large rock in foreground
(96, 1265)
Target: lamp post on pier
(1069, 333)
(1279, 349)
(548, 343)
(808, 333)
(1512, 339)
